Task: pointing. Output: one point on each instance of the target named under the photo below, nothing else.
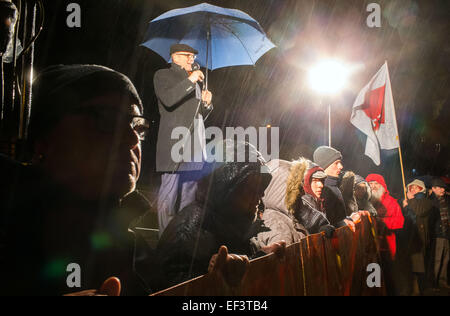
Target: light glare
(328, 77)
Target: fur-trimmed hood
(294, 183)
(299, 181)
(288, 183)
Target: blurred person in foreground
(77, 202)
(223, 214)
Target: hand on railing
(350, 225)
(356, 216)
(328, 230)
(278, 248)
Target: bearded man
(390, 221)
(388, 211)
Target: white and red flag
(373, 113)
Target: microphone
(195, 66)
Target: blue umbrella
(223, 37)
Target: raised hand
(231, 267)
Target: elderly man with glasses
(183, 107)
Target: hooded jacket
(363, 202)
(300, 200)
(347, 188)
(389, 212)
(197, 232)
(276, 216)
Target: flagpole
(401, 167)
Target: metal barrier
(312, 267)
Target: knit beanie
(62, 88)
(324, 156)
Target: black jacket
(310, 215)
(436, 227)
(196, 233)
(334, 202)
(420, 209)
(43, 228)
(178, 106)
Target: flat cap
(438, 182)
(182, 48)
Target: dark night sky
(413, 39)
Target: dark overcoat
(178, 101)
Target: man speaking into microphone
(181, 103)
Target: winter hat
(359, 179)
(313, 171)
(419, 183)
(299, 181)
(324, 156)
(62, 88)
(227, 172)
(378, 178)
(438, 182)
(182, 48)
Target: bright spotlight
(328, 77)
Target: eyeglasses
(108, 121)
(188, 56)
(140, 125)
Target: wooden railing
(314, 266)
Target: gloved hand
(328, 229)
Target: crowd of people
(77, 202)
